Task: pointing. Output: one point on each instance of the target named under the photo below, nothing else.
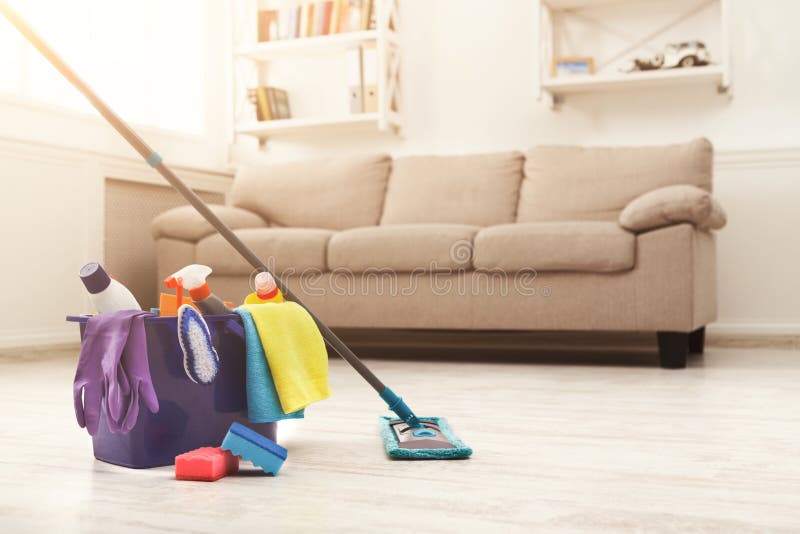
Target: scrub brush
(200, 359)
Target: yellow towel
(295, 352)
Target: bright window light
(146, 58)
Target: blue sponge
(255, 448)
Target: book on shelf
(333, 24)
(270, 103)
(280, 100)
(313, 19)
(295, 22)
(366, 14)
(267, 25)
(369, 68)
(258, 97)
(305, 14)
(323, 19)
(284, 23)
(342, 20)
(355, 85)
(361, 63)
(263, 26)
(353, 22)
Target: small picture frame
(571, 66)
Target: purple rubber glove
(100, 374)
(137, 370)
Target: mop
(407, 436)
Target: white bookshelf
(671, 21)
(257, 58)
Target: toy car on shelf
(675, 55)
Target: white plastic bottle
(107, 294)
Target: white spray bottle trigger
(192, 276)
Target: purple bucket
(190, 415)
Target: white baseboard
(754, 329)
(38, 339)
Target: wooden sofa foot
(697, 340)
(673, 348)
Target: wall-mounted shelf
(266, 129)
(711, 74)
(612, 32)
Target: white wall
(470, 84)
(53, 164)
(52, 223)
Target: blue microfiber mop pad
(255, 448)
(460, 450)
(263, 404)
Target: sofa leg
(673, 348)
(697, 341)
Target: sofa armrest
(674, 204)
(186, 224)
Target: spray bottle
(107, 294)
(266, 290)
(193, 277)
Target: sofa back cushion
(335, 193)
(595, 183)
(480, 190)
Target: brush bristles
(200, 359)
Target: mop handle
(154, 160)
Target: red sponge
(206, 463)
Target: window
(147, 58)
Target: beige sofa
(557, 238)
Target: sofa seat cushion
(284, 250)
(403, 248)
(585, 246)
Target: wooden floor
(558, 447)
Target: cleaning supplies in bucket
(107, 294)
(113, 372)
(189, 415)
(152, 157)
(193, 277)
(200, 358)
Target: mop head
(459, 448)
